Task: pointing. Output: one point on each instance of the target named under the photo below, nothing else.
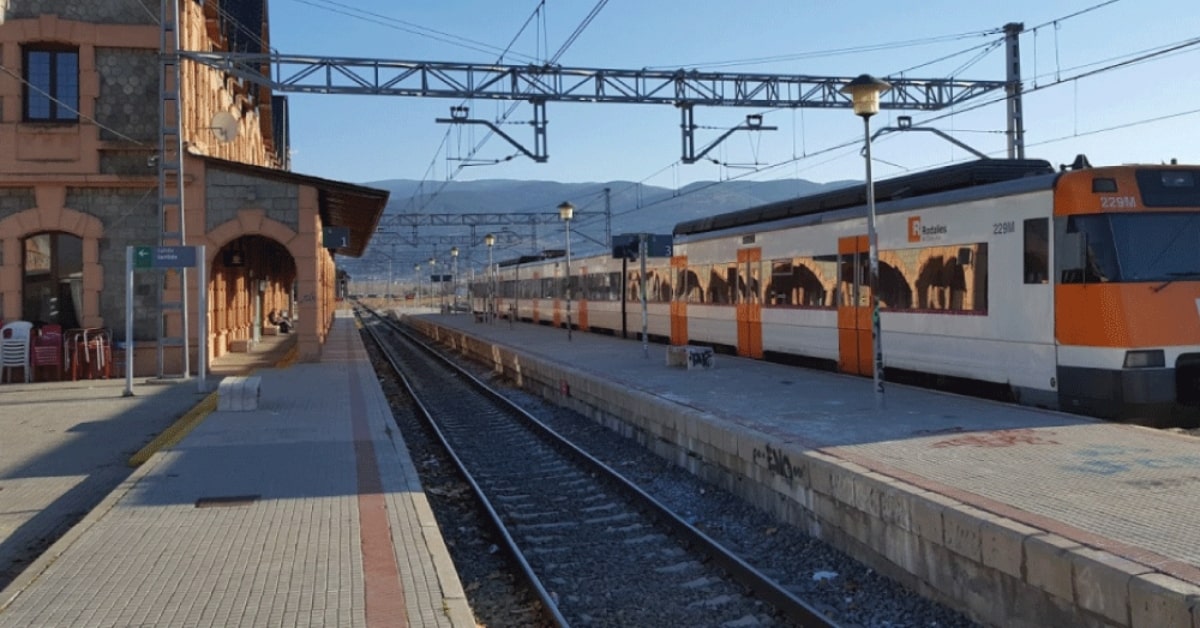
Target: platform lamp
(566, 211)
(454, 279)
(864, 93)
(490, 241)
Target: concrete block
(903, 548)
(239, 394)
(843, 480)
(827, 511)
(1157, 599)
(1002, 543)
(926, 515)
(821, 469)
(895, 499)
(867, 491)
(1102, 582)
(960, 531)
(1048, 564)
(690, 357)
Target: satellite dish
(225, 126)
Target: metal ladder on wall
(170, 190)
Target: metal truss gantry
(389, 230)
(539, 84)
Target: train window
(802, 281)
(749, 285)
(780, 290)
(662, 284)
(696, 283)
(1098, 252)
(938, 278)
(722, 282)
(849, 279)
(1169, 188)
(1037, 250)
(1178, 179)
(894, 290)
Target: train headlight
(1146, 358)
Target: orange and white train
(1076, 289)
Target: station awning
(341, 204)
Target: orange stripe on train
(1127, 315)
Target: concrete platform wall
(996, 570)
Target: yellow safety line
(175, 433)
(177, 430)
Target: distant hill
(636, 208)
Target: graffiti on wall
(777, 462)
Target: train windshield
(1136, 247)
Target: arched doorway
(252, 277)
(52, 279)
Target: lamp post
(864, 92)
(417, 272)
(432, 274)
(490, 241)
(566, 211)
(454, 280)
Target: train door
(855, 350)
(679, 330)
(748, 293)
(580, 289)
(535, 297)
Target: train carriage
(1076, 289)
(605, 293)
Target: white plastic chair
(14, 348)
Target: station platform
(1014, 515)
(304, 511)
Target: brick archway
(231, 318)
(52, 219)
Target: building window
(51, 84)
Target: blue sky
(362, 138)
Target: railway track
(595, 548)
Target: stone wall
(93, 11)
(130, 218)
(227, 192)
(128, 104)
(13, 200)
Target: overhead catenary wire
(985, 48)
(562, 50)
(404, 26)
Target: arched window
(52, 279)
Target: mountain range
(636, 208)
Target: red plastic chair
(47, 350)
(89, 353)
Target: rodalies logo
(920, 233)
